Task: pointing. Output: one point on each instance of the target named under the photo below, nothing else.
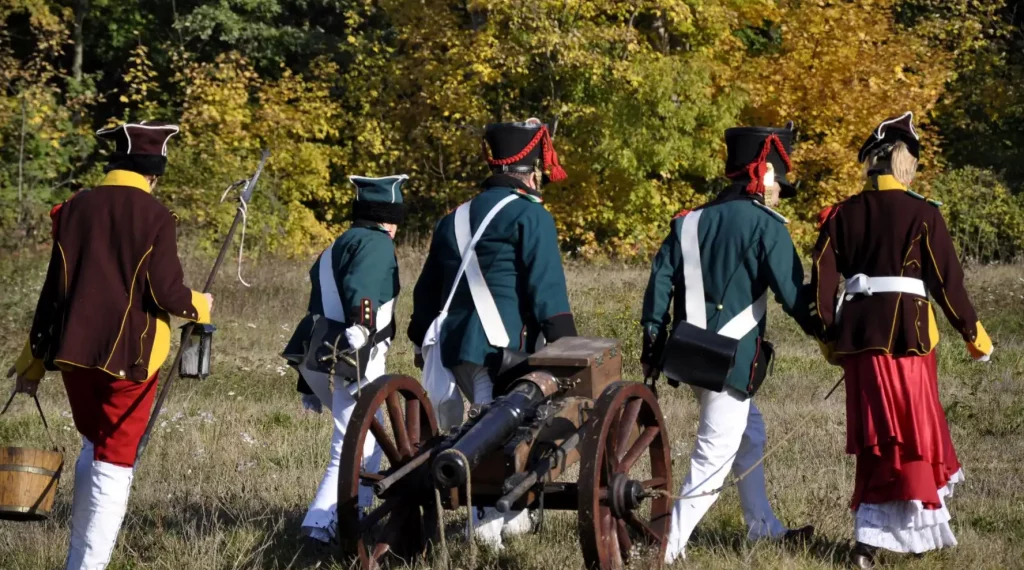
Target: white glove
(357, 336)
(312, 403)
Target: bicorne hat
(379, 199)
(139, 147)
(890, 131)
(521, 147)
(752, 149)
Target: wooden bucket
(28, 479)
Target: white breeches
(97, 510)
(321, 519)
(730, 436)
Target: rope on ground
(243, 208)
(741, 476)
(445, 557)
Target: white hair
(892, 159)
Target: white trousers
(488, 524)
(730, 436)
(97, 510)
(322, 517)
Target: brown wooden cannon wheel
(404, 524)
(624, 501)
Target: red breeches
(111, 413)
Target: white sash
(330, 299)
(696, 313)
(438, 381)
(483, 301)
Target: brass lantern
(195, 354)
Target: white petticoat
(906, 526)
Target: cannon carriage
(566, 433)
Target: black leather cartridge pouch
(698, 357)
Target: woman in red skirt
(891, 248)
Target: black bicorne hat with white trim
(890, 131)
(139, 147)
(379, 199)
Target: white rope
(243, 208)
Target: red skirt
(896, 428)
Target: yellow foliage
(843, 67)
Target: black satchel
(698, 357)
(329, 351)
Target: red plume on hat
(139, 147)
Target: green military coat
(522, 266)
(366, 273)
(745, 250)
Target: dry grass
(228, 476)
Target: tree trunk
(81, 9)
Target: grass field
(228, 476)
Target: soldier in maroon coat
(103, 321)
(892, 249)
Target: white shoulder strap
(483, 301)
(696, 315)
(329, 296)
(694, 278)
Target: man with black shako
(717, 266)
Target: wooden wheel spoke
(412, 420)
(641, 527)
(625, 426)
(611, 539)
(639, 446)
(388, 446)
(371, 477)
(625, 544)
(655, 483)
(398, 423)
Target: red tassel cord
(548, 155)
(757, 169)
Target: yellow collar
(126, 178)
(886, 182)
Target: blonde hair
(892, 159)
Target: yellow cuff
(982, 345)
(28, 365)
(202, 308)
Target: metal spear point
(250, 187)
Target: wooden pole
(246, 195)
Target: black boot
(863, 555)
(799, 536)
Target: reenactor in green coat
(716, 267)
(354, 284)
(492, 284)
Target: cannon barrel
(499, 422)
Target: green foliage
(984, 218)
(642, 92)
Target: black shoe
(800, 535)
(863, 555)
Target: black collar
(506, 181)
(367, 224)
